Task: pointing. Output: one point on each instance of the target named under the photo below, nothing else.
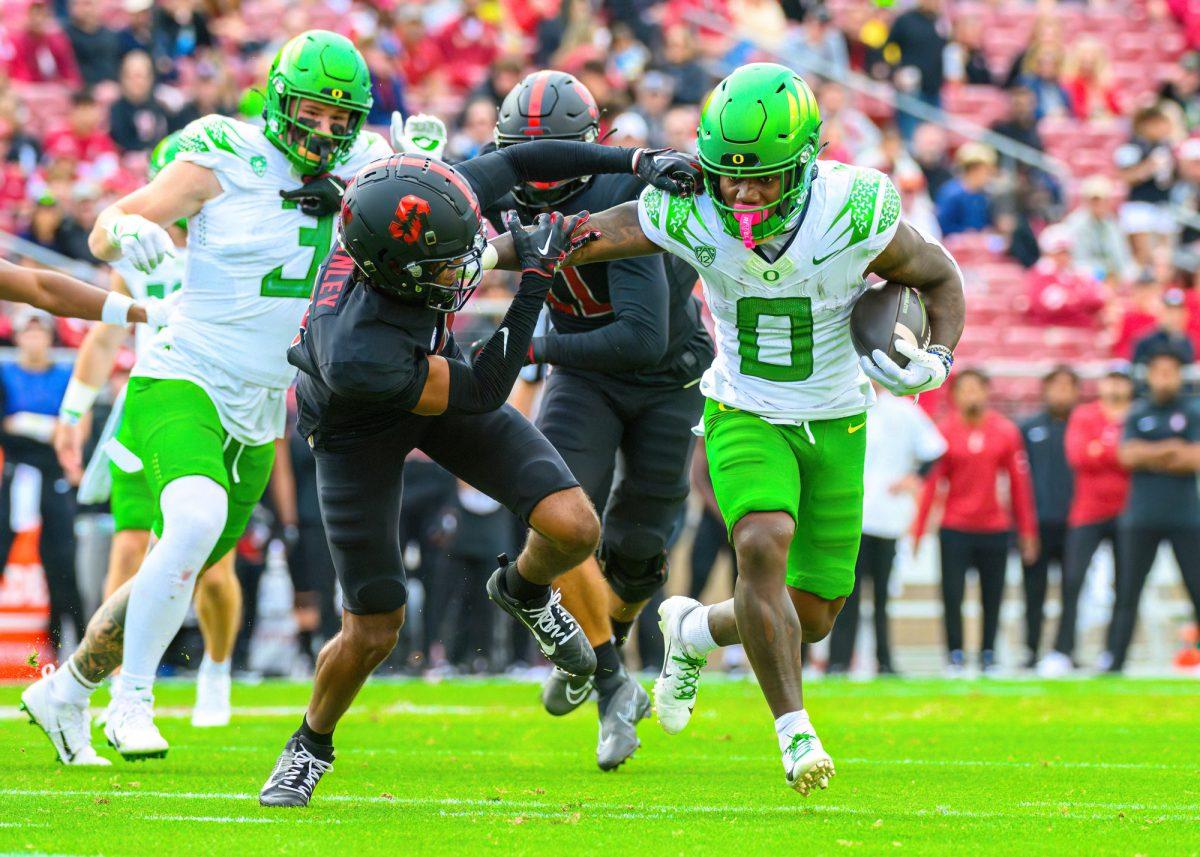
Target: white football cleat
(806, 763)
(676, 686)
(130, 728)
(212, 699)
(67, 726)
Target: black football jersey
(653, 292)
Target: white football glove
(159, 310)
(143, 243)
(419, 134)
(925, 371)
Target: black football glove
(544, 246)
(668, 170)
(318, 196)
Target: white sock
(789, 724)
(69, 687)
(696, 634)
(209, 667)
(194, 510)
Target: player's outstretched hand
(925, 371)
(544, 246)
(144, 243)
(668, 170)
(318, 196)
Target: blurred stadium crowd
(1055, 146)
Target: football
(886, 314)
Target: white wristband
(116, 309)
(76, 401)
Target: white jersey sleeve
(219, 144)
(781, 312)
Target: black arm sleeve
(485, 384)
(494, 174)
(637, 337)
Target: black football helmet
(548, 105)
(412, 226)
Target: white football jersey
(166, 279)
(252, 258)
(784, 350)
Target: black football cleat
(558, 635)
(296, 774)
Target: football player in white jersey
(782, 244)
(207, 401)
(218, 594)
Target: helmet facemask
(312, 151)
(755, 224)
(444, 285)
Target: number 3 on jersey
(780, 329)
(319, 238)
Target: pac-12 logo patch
(705, 254)
(412, 215)
(259, 164)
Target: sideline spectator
(476, 126)
(680, 62)
(1046, 31)
(964, 59)
(1088, 81)
(1042, 75)
(1045, 446)
(929, 150)
(817, 47)
(1058, 292)
(916, 48)
(41, 51)
(902, 444)
(1101, 486)
(137, 120)
(963, 204)
(1161, 445)
(652, 98)
(1097, 242)
(1020, 125)
(31, 389)
(83, 137)
(1147, 166)
(468, 43)
(1183, 88)
(1136, 316)
(853, 129)
(982, 445)
(97, 47)
(1171, 333)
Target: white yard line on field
(735, 757)
(559, 809)
(241, 819)
(267, 711)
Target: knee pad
(382, 595)
(633, 580)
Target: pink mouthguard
(747, 219)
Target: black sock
(609, 675)
(621, 631)
(323, 740)
(521, 589)
(305, 641)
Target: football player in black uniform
(628, 349)
(382, 375)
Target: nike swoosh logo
(824, 259)
(504, 345)
(546, 249)
(853, 429)
(576, 696)
(548, 650)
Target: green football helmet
(761, 120)
(319, 66)
(160, 156)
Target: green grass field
(1098, 767)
